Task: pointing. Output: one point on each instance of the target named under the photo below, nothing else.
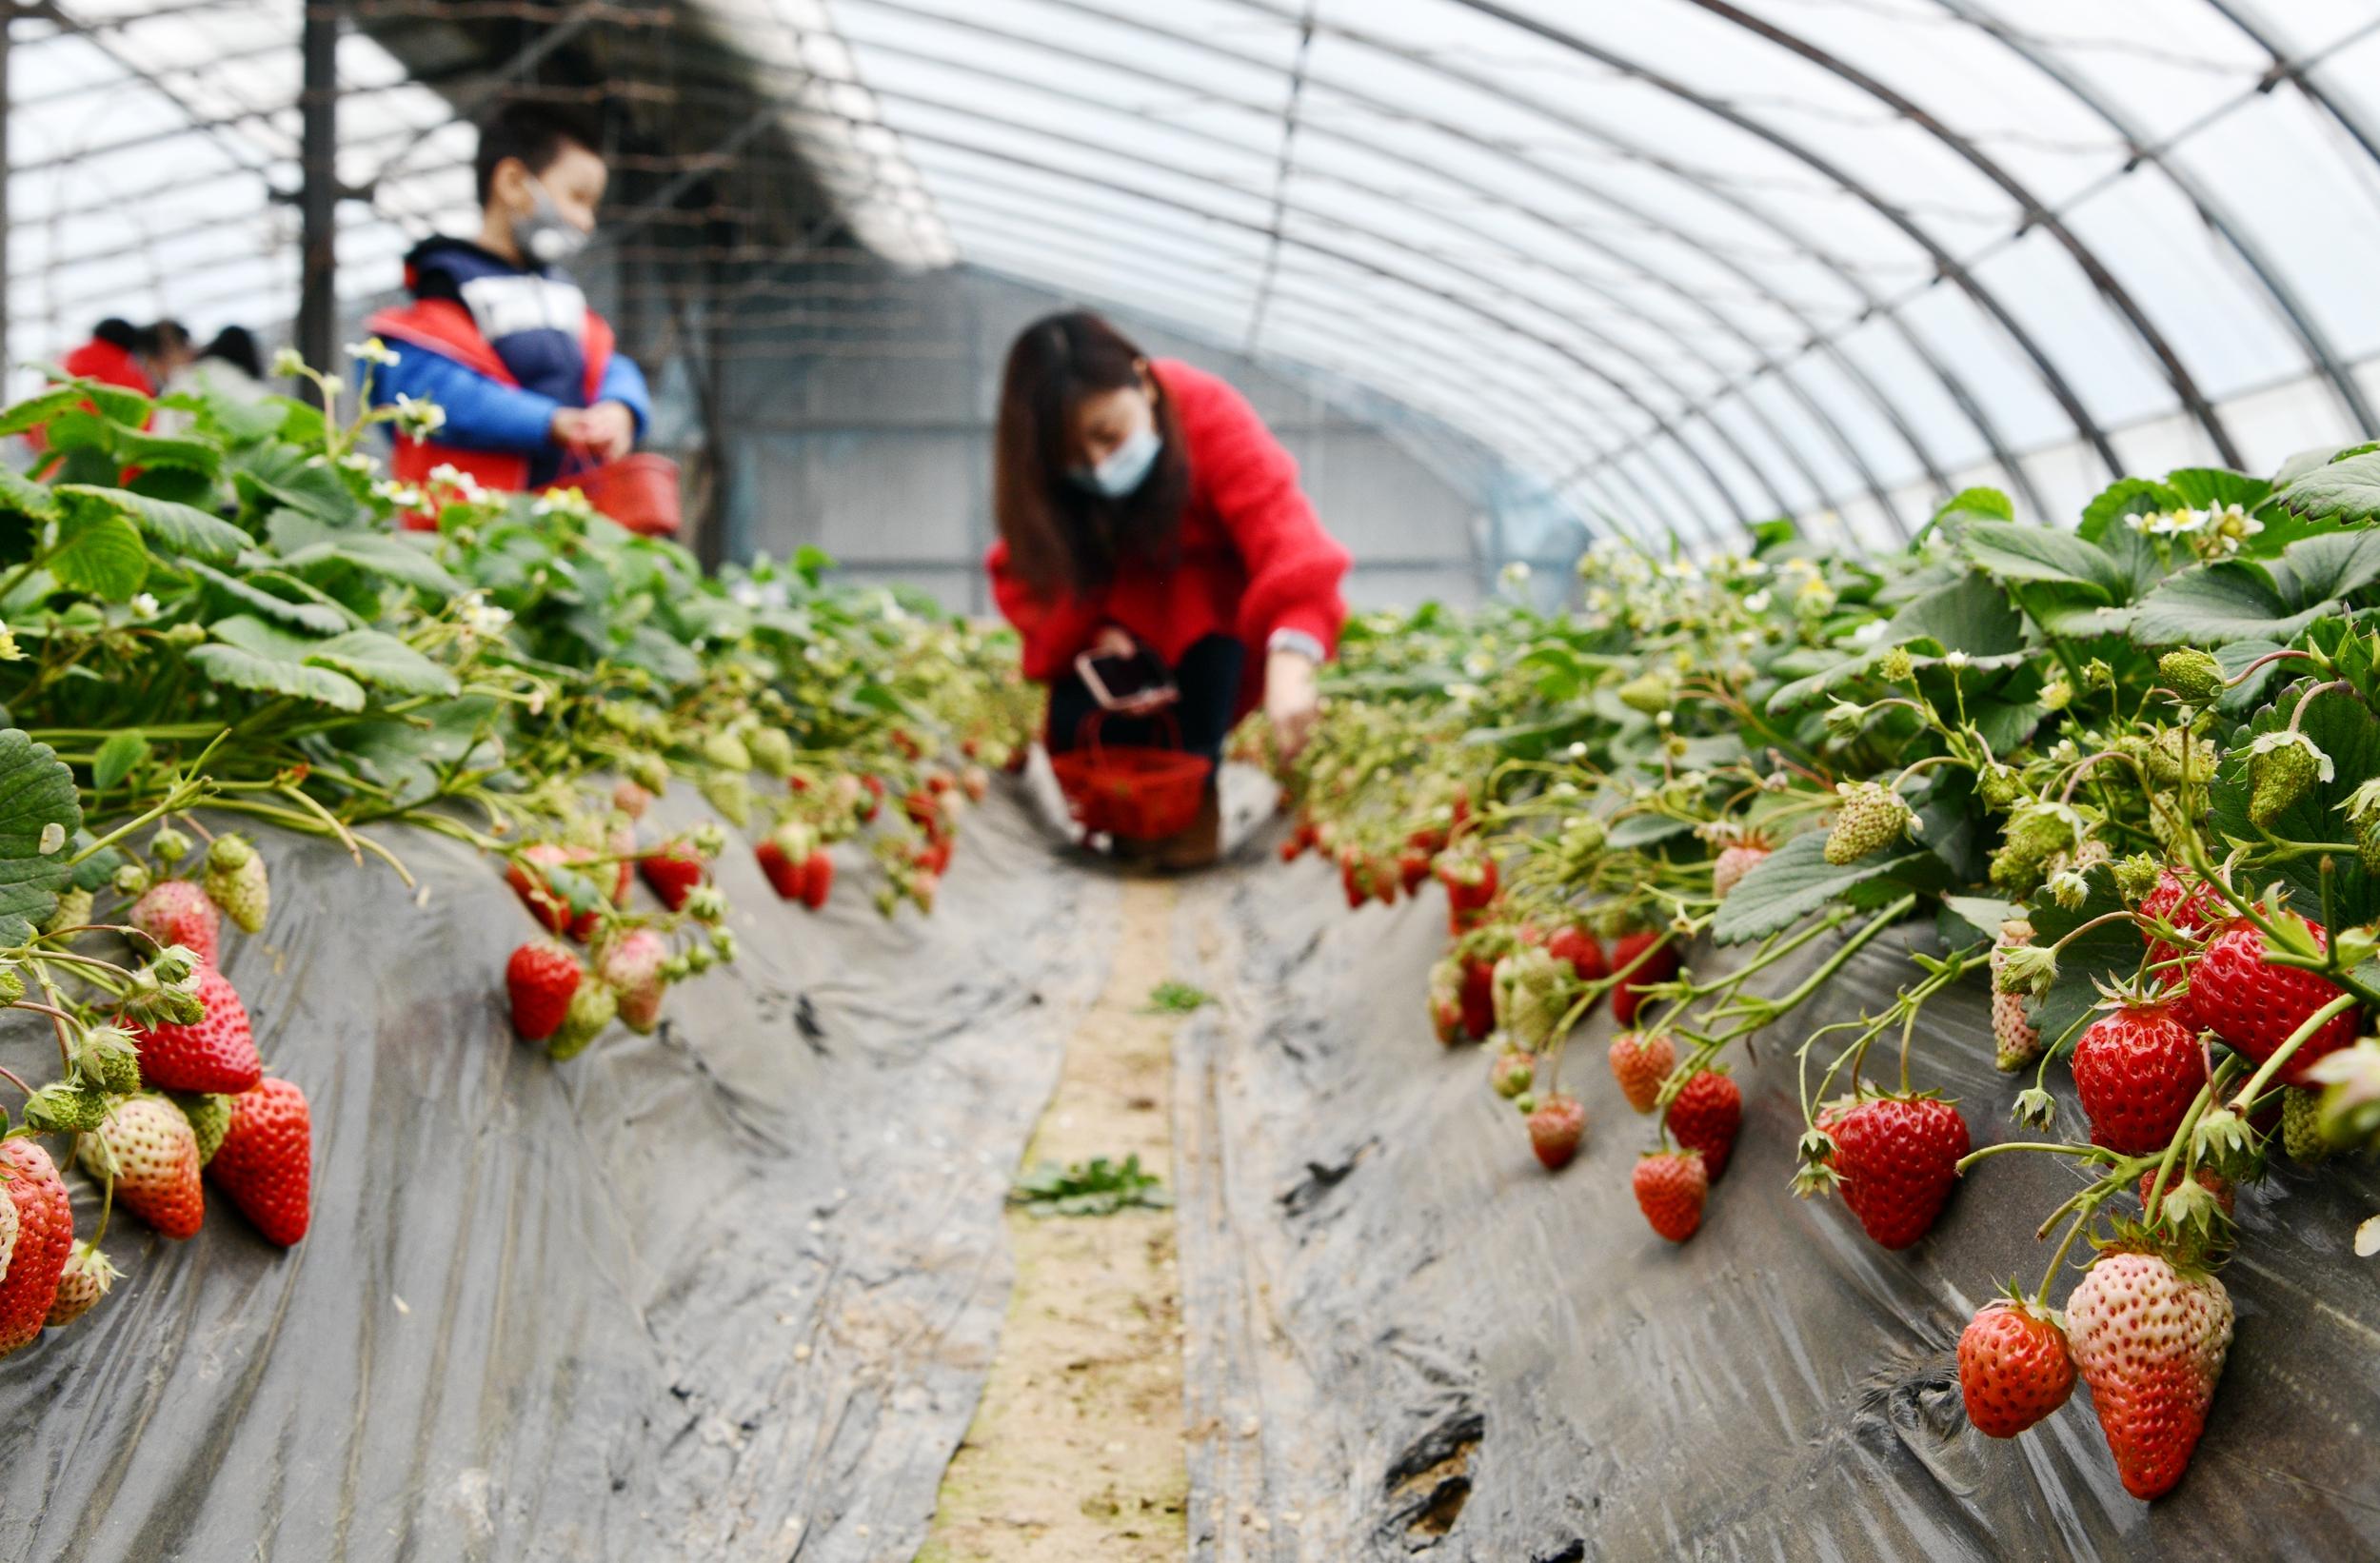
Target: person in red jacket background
(1145, 510)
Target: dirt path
(1076, 1452)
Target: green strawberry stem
(2093, 1153)
(2282, 1055)
(2174, 1146)
(2057, 1260)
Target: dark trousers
(1208, 679)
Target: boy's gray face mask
(546, 235)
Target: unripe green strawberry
(2016, 1043)
(649, 771)
(592, 1008)
(73, 911)
(1999, 786)
(2301, 1127)
(1646, 692)
(210, 1116)
(727, 752)
(108, 1057)
(731, 795)
(1531, 996)
(2151, 1340)
(2036, 832)
(2283, 768)
(62, 1109)
(2192, 674)
(1870, 816)
(235, 881)
(86, 1278)
(771, 751)
(168, 846)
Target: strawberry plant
(212, 635)
(2125, 773)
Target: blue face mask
(1126, 468)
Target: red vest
(445, 327)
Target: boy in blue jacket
(500, 337)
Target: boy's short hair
(532, 132)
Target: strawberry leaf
(37, 804)
(1794, 881)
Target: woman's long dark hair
(1061, 539)
(236, 347)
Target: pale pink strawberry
(632, 964)
(179, 912)
(2151, 1340)
(1733, 864)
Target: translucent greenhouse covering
(1687, 264)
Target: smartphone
(1126, 683)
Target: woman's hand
(1292, 700)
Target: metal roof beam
(1791, 448)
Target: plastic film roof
(153, 164)
(1692, 264)
(1687, 264)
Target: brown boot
(1199, 844)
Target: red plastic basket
(640, 491)
(1131, 790)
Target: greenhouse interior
(835, 781)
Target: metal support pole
(8, 19)
(318, 196)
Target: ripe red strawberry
(672, 873)
(217, 1054)
(1556, 1127)
(1354, 879)
(1413, 866)
(870, 806)
(1658, 967)
(818, 879)
(146, 1145)
(2190, 905)
(1641, 1061)
(1898, 1159)
(2137, 1069)
(1578, 946)
(785, 875)
(266, 1163)
(1478, 996)
(2014, 1367)
(541, 976)
(1671, 1187)
(631, 964)
(1469, 876)
(178, 912)
(1729, 868)
(2255, 1005)
(45, 1236)
(1704, 1115)
(2151, 1340)
(935, 858)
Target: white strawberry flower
(419, 416)
(287, 364)
(372, 350)
(1756, 602)
(143, 606)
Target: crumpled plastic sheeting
(729, 1292)
(1406, 1339)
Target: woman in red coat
(1145, 512)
